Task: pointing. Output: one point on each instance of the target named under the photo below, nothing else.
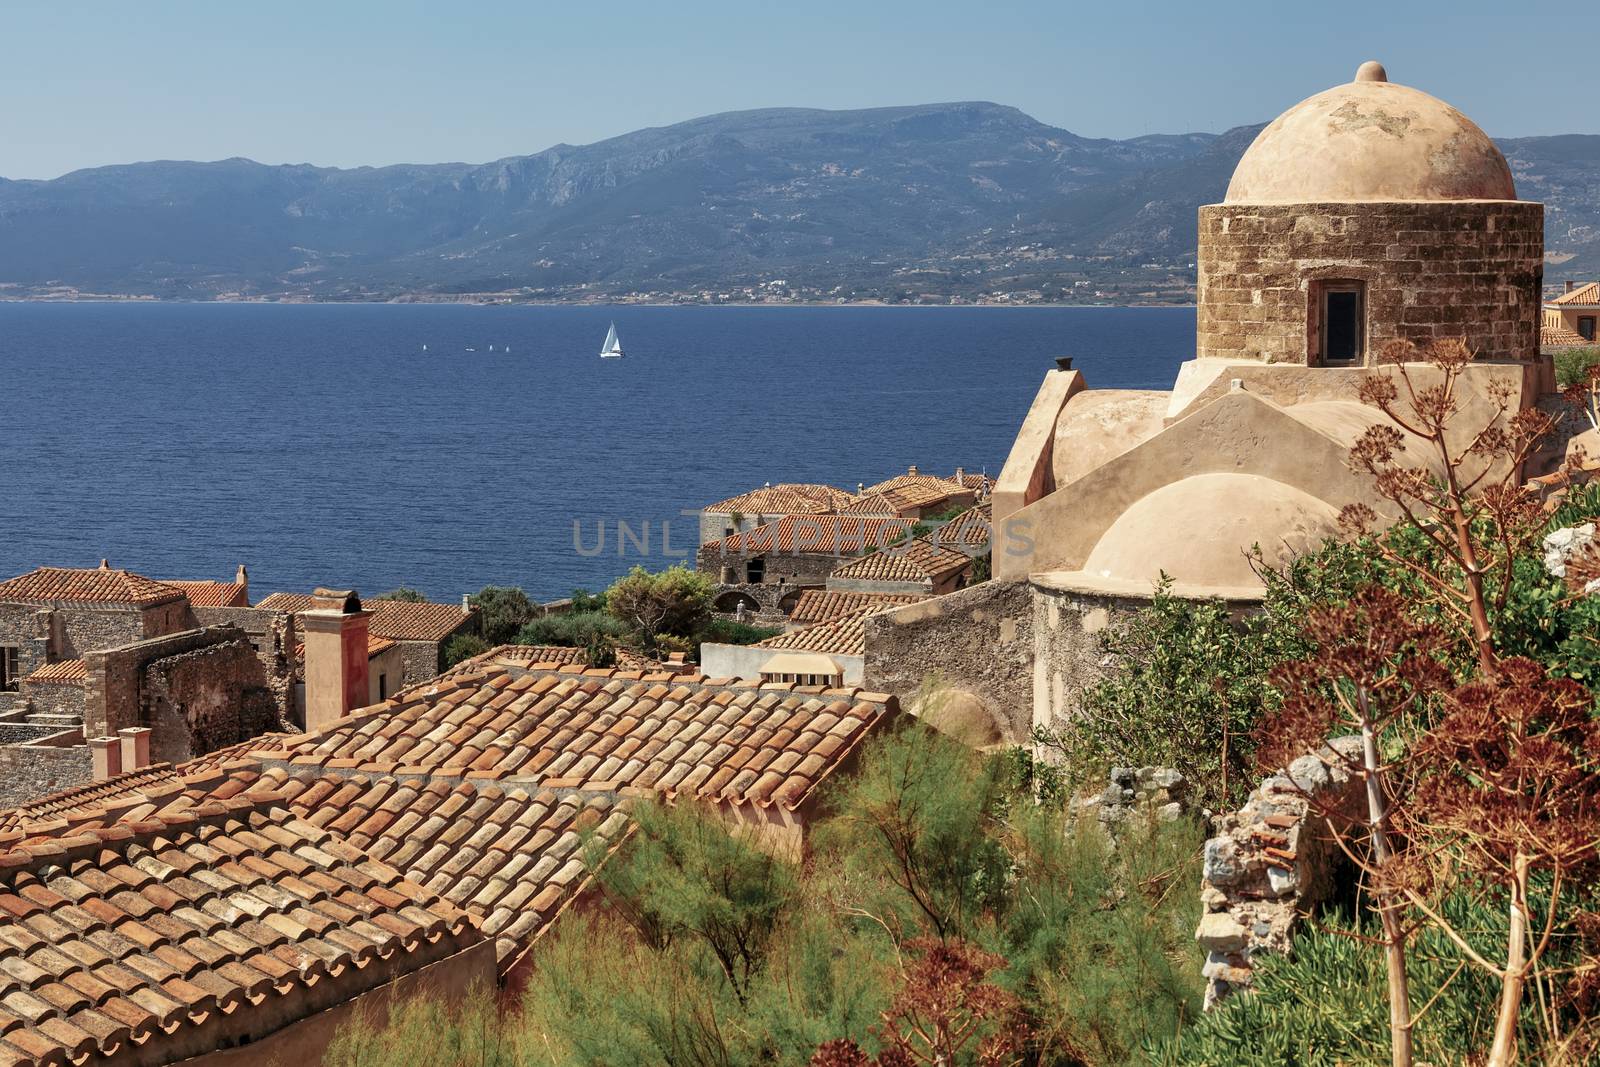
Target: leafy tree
(463, 647)
(405, 593)
(576, 629)
(1573, 364)
(502, 611)
(584, 601)
(675, 602)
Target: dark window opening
(1344, 323)
(1586, 327)
(383, 687)
(8, 669)
(756, 570)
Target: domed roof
(1371, 140)
(1199, 528)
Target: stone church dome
(1371, 140)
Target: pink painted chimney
(335, 630)
(135, 747)
(106, 753)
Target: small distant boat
(612, 349)
(471, 349)
(491, 348)
(424, 348)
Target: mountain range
(932, 202)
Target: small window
(1342, 332)
(8, 669)
(383, 687)
(1586, 327)
(756, 570)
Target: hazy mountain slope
(953, 198)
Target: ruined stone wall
(30, 771)
(273, 636)
(205, 698)
(1274, 861)
(1446, 269)
(421, 662)
(1068, 660)
(978, 640)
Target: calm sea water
(320, 445)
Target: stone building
(1569, 319)
(89, 653)
(1368, 213)
(768, 504)
(421, 630)
(764, 571)
(917, 566)
(256, 899)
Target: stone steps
(50, 718)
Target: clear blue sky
(349, 83)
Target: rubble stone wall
(30, 771)
(205, 698)
(978, 640)
(1274, 861)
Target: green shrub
(405, 593)
(730, 632)
(463, 647)
(1573, 363)
(573, 629)
(501, 612)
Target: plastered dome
(1371, 140)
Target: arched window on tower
(1341, 328)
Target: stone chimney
(335, 630)
(861, 487)
(466, 603)
(105, 564)
(911, 469)
(1571, 285)
(961, 473)
(135, 742)
(242, 577)
(106, 753)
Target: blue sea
(322, 445)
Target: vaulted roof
(841, 636)
(820, 605)
(918, 561)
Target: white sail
(612, 349)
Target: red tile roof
(842, 636)
(606, 731)
(182, 927)
(922, 482)
(788, 498)
(204, 594)
(1552, 335)
(820, 605)
(919, 561)
(87, 585)
(1582, 295)
(819, 535)
(61, 672)
(400, 620)
(973, 528)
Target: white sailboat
(612, 349)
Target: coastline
(739, 304)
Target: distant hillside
(891, 203)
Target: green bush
(674, 602)
(573, 629)
(462, 647)
(729, 632)
(405, 593)
(502, 611)
(1573, 363)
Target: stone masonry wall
(1448, 269)
(44, 634)
(1274, 861)
(205, 698)
(979, 640)
(34, 770)
(1068, 659)
(271, 633)
(56, 699)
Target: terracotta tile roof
(509, 857)
(788, 498)
(400, 620)
(820, 605)
(181, 927)
(1552, 335)
(978, 483)
(375, 645)
(604, 730)
(93, 801)
(820, 535)
(973, 527)
(899, 500)
(918, 561)
(922, 482)
(87, 585)
(842, 636)
(213, 594)
(61, 672)
(1583, 295)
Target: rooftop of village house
(87, 585)
(399, 620)
(821, 605)
(828, 535)
(917, 560)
